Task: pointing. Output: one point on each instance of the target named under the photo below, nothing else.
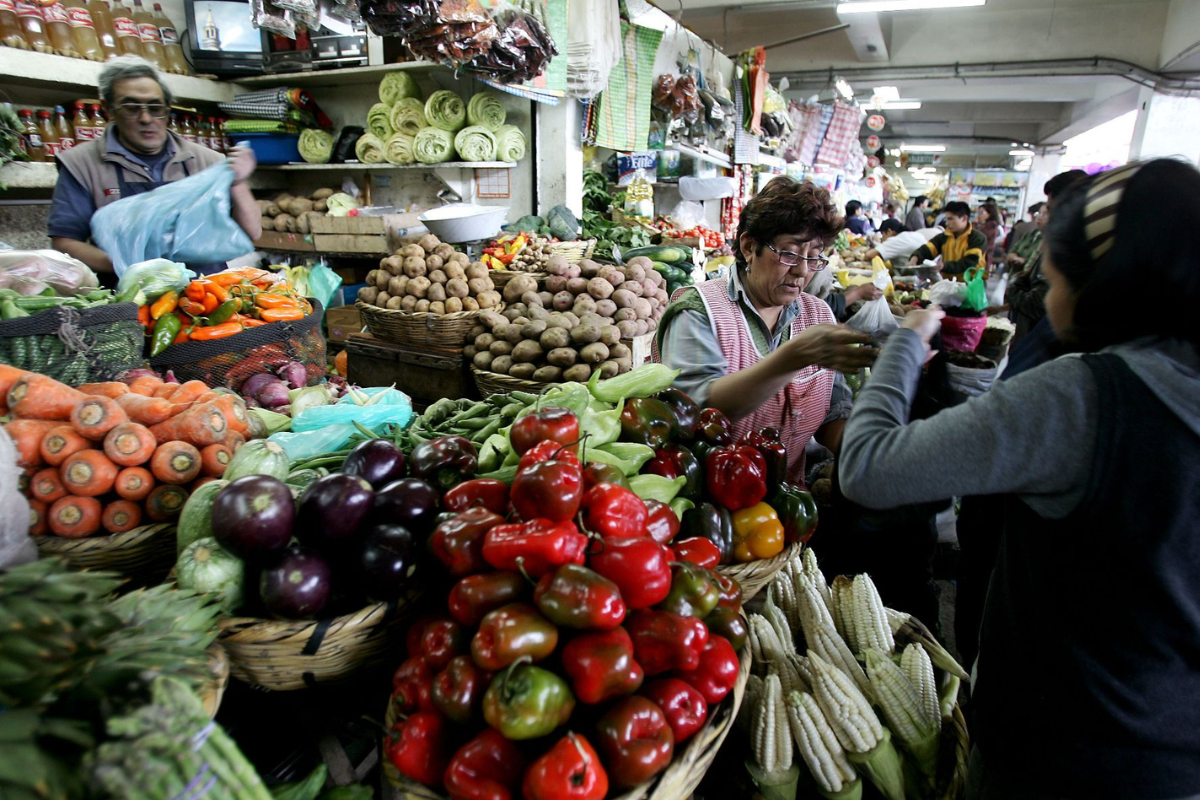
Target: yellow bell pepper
(757, 533)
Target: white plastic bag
(971, 381)
(156, 277)
(188, 221)
(593, 46)
(996, 287)
(16, 546)
(875, 317)
(948, 294)
(31, 272)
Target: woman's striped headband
(1100, 212)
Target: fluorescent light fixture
(872, 6)
(886, 93)
(923, 148)
(1021, 153)
(844, 88)
(902, 105)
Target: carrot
(35, 396)
(74, 517)
(200, 425)
(165, 390)
(234, 409)
(175, 462)
(9, 376)
(88, 473)
(196, 484)
(96, 416)
(60, 442)
(129, 445)
(188, 392)
(113, 389)
(121, 516)
(134, 483)
(145, 384)
(146, 410)
(235, 440)
(37, 518)
(214, 459)
(27, 435)
(47, 486)
(165, 502)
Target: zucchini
(195, 521)
(668, 255)
(258, 457)
(672, 274)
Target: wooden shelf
(336, 77)
(357, 165)
(29, 69)
(28, 174)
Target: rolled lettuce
(396, 86)
(399, 149)
(444, 109)
(316, 146)
(378, 121)
(408, 116)
(510, 143)
(370, 149)
(486, 111)
(433, 145)
(475, 143)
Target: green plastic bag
(976, 298)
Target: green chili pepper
(165, 331)
(222, 313)
(9, 310)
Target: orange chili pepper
(267, 300)
(144, 316)
(195, 291)
(215, 331)
(210, 303)
(182, 337)
(164, 305)
(192, 307)
(282, 314)
(230, 277)
(249, 322)
(214, 288)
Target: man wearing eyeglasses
(136, 154)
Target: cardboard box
(341, 323)
(294, 242)
(390, 227)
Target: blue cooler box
(273, 148)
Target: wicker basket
(418, 328)
(144, 555)
(573, 252)
(286, 655)
(676, 782)
(495, 383)
(501, 277)
(214, 689)
(754, 575)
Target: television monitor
(221, 39)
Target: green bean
(482, 434)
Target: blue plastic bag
(187, 221)
(322, 429)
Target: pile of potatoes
(429, 275)
(288, 214)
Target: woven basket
(573, 252)
(296, 654)
(73, 346)
(754, 575)
(214, 689)
(495, 383)
(144, 555)
(676, 782)
(418, 328)
(501, 277)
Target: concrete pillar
(1168, 126)
(1045, 166)
(559, 154)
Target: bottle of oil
(83, 30)
(84, 132)
(186, 129)
(99, 123)
(148, 31)
(172, 50)
(105, 32)
(33, 136)
(58, 28)
(33, 25)
(64, 129)
(173, 124)
(49, 135)
(129, 41)
(10, 26)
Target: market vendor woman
(756, 346)
(136, 154)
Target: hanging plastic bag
(996, 287)
(31, 272)
(155, 278)
(188, 221)
(323, 283)
(875, 317)
(16, 546)
(947, 294)
(976, 296)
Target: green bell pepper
(527, 702)
(797, 511)
(693, 591)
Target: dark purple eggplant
(298, 585)
(253, 517)
(331, 511)
(410, 502)
(387, 561)
(377, 461)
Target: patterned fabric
(959, 253)
(284, 105)
(1100, 213)
(259, 126)
(843, 128)
(816, 135)
(623, 115)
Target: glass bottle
(58, 28)
(129, 41)
(33, 136)
(10, 26)
(148, 31)
(84, 132)
(64, 129)
(33, 25)
(172, 50)
(83, 30)
(105, 32)
(49, 135)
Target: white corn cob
(896, 619)
(816, 577)
(789, 676)
(847, 709)
(783, 589)
(823, 638)
(818, 743)
(844, 617)
(897, 698)
(772, 731)
(774, 615)
(870, 620)
(802, 669)
(765, 647)
(919, 671)
(904, 630)
(750, 701)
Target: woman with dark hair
(987, 222)
(1087, 682)
(755, 345)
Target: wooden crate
(294, 242)
(351, 243)
(341, 323)
(425, 374)
(382, 235)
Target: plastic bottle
(172, 50)
(216, 139)
(33, 25)
(99, 123)
(58, 28)
(33, 136)
(64, 129)
(173, 124)
(129, 41)
(148, 31)
(83, 30)
(84, 132)
(10, 26)
(105, 32)
(49, 135)
(188, 129)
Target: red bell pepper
(418, 746)
(574, 596)
(647, 421)
(639, 567)
(475, 595)
(412, 685)
(570, 770)
(489, 767)
(412, 639)
(682, 705)
(534, 547)
(545, 451)
(511, 632)
(458, 542)
(601, 666)
(442, 641)
(635, 741)
(663, 641)
(727, 622)
(478, 493)
(714, 428)
(676, 461)
(614, 512)
(553, 423)
(717, 672)
(736, 477)
(549, 489)
(730, 589)
(697, 550)
(686, 412)
(595, 473)
(458, 690)
(661, 522)
(770, 446)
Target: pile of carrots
(113, 456)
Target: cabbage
(316, 146)
(379, 121)
(433, 145)
(311, 397)
(340, 204)
(208, 568)
(395, 86)
(475, 143)
(510, 143)
(444, 109)
(485, 110)
(369, 148)
(273, 421)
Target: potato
(585, 334)
(562, 356)
(434, 262)
(454, 271)
(592, 318)
(663, 297)
(437, 307)
(457, 288)
(476, 286)
(655, 278)
(414, 267)
(583, 304)
(408, 303)
(612, 275)
(461, 259)
(382, 298)
(634, 287)
(396, 285)
(285, 223)
(263, 205)
(555, 339)
(444, 251)
(625, 314)
(636, 272)
(429, 242)
(488, 299)
(557, 265)
(572, 318)
(523, 371)
(469, 352)
(619, 350)
(483, 359)
(593, 353)
(436, 293)
(395, 303)
(484, 340)
(579, 373)
(513, 333)
(643, 327)
(558, 320)
(393, 264)
(478, 329)
(411, 251)
(470, 304)
(518, 286)
(556, 283)
(651, 325)
(538, 313)
(642, 306)
(320, 205)
(547, 298)
(268, 223)
(640, 261)
(282, 197)
(624, 364)
(511, 313)
(588, 268)
(533, 329)
(421, 306)
(437, 276)
(549, 374)
(608, 369)
(572, 285)
(367, 294)
(610, 335)
(477, 270)
(492, 318)
(563, 300)
(599, 288)
(501, 347)
(628, 328)
(298, 206)
(606, 308)
(419, 287)
(502, 364)
(373, 276)
(531, 299)
(624, 298)
(574, 271)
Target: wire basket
(501, 277)
(495, 383)
(419, 328)
(752, 576)
(213, 690)
(575, 251)
(144, 555)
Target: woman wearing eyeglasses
(756, 346)
(136, 154)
